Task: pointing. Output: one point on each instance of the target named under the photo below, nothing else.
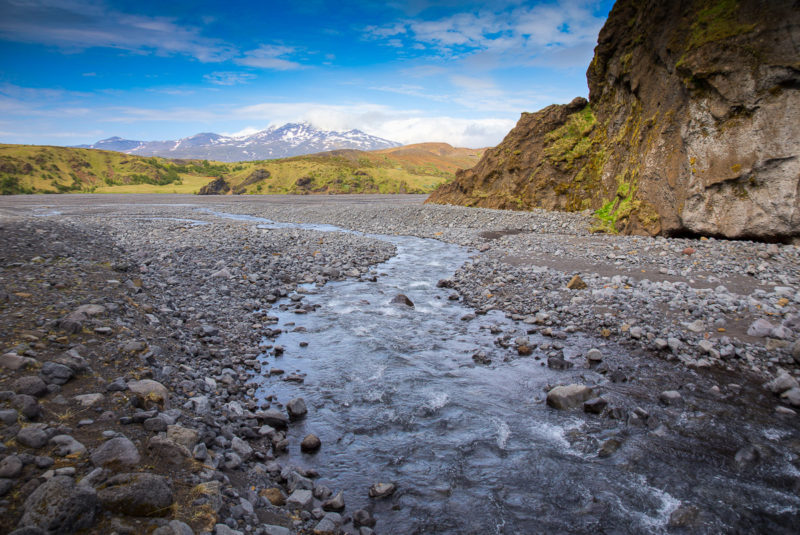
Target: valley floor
(140, 333)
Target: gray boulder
(58, 506)
(139, 494)
(568, 397)
(118, 452)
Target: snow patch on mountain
(291, 139)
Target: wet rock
(56, 374)
(117, 453)
(402, 299)
(296, 408)
(273, 418)
(296, 481)
(594, 356)
(481, 358)
(670, 398)
(30, 385)
(382, 490)
(32, 437)
(58, 506)
(684, 516)
(609, 447)
(558, 363)
(334, 504)
(362, 517)
(301, 499)
(568, 397)
(138, 494)
(595, 405)
(747, 456)
(310, 444)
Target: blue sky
(76, 71)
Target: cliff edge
(692, 127)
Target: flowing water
(395, 396)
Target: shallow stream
(395, 396)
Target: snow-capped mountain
(292, 139)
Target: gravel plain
(132, 328)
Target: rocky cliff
(693, 127)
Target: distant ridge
(291, 139)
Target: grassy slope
(415, 168)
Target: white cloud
(269, 57)
(519, 36)
(228, 78)
(75, 25)
(473, 133)
(246, 131)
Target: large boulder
(59, 506)
(137, 494)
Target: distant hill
(291, 139)
(411, 169)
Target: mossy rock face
(693, 127)
(534, 167)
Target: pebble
(310, 444)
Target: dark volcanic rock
(402, 299)
(139, 494)
(58, 506)
(216, 187)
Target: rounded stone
(311, 443)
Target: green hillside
(42, 169)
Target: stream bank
(446, 399)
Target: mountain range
(291, 139)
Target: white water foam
(503, 433)
(435, 402)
